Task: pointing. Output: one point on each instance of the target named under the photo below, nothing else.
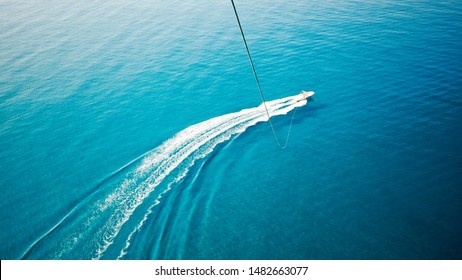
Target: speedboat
(305, 95)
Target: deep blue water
(95, 97)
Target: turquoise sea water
(116, 139)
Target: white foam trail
(205, 134)
(95, 229)
(277, 107)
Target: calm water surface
(116, 139)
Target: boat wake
(104, 223)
